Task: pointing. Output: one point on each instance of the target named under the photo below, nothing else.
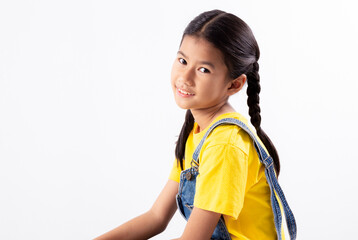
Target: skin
(198, 70)
(210, 85)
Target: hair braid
(253, 101)
(183, 136)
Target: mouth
(184, 93)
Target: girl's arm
(201, 225)
(150, 223)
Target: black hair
(234, 38)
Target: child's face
(199, 75)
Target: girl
(223, 180)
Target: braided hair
(183, 136)
(234, 38)
(253, 101)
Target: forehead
(199, 49)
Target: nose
(187, 76)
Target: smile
(185, 92)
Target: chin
(182, 105)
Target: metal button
(188, 176)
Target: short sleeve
(222, 178)
(175, 172)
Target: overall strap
(276, 191)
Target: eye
(204, 70)
(182, 61)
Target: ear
(236, 84)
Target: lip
(184, 93)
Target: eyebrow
(201, 62)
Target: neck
(203, 117)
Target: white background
(88, 123)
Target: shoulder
(230, 135)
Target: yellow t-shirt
(231, 180)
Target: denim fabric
(186, 193)
(185, 200)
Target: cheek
(172, 73)
(172, 79)
(215, 88)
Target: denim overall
(186, 193)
